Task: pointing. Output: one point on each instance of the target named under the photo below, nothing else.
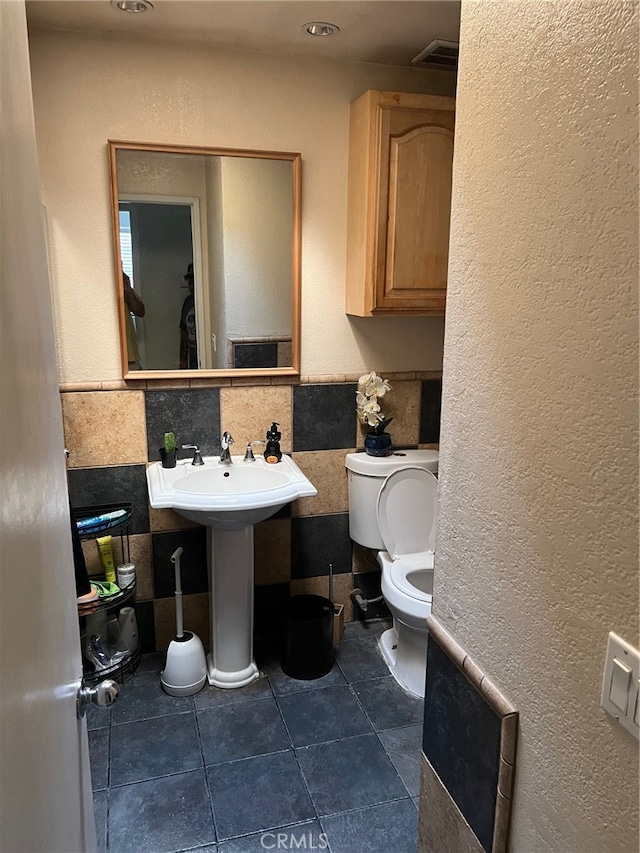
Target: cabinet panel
(418, 212)
(400, 167)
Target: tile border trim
(504, 709)
(240, 381)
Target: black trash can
(308, 644)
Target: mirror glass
(207, 244)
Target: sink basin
(250, 479)
(227, 497)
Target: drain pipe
(363, 603)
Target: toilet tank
(365, 475)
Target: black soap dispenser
(272, 452)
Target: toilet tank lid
(382, 466)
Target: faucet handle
(248, 456)
(197, 456)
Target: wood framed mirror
(207, 254)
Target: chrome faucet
(197, 456)
(248, 456)
(225, 453)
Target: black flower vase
(377, 445)
(168, 457)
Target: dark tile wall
(461, 739)
(317, 541)
(95, 486)
(322, 419)
(193, 561)
(268, 608)
(193, 414)
(255, 355)
(145, 617)
(370, 583)
(324, 416)
(430, 411)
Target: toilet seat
(421, 565)
(411, 608)
(407, 509)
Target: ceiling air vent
(438, 54)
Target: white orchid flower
(365, 379)
(377, 387)
(368, 408)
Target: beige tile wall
(245, 411)
(196, 618)
(272, 551)
(104, 428)
(442, 826)
(325, 469)
(105, 424)
(140, 554)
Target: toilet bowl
(393, 508)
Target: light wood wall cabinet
(400, 160)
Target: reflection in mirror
(207, 245)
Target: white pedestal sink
(229, 500)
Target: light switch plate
(621, 673)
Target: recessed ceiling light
(320, 28)
(132, 5)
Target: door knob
(103, 694)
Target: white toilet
(393, 509)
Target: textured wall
(88, 89)
(537, 550)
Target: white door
(45, 786)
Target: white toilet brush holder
(185, 670)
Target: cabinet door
(414, 210)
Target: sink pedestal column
(230, 554)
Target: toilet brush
(185, 671)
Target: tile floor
(281, 764)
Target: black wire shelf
(120, 672)
(99, 519)
(118, 599)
